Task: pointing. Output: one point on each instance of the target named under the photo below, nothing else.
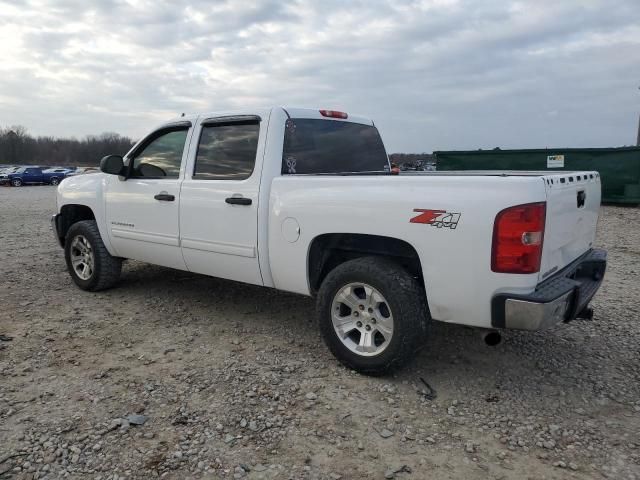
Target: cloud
(437, 74)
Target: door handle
(238, 201)
(164, 197)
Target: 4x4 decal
(436, 218)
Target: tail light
(518, 233)
(333, 114)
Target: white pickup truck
(306, 201)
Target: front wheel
(16, 182)
(89, 263)
(373, 315)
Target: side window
(227, 151)
(161, 157)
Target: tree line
(18, 147)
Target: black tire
(106, 269)
(406, 300)
(54, 181)
(16, 182)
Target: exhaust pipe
(491, 337)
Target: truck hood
(79, 187)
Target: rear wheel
(89, 263)
(373, 315)
(16, 182)
(54, 181)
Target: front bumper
(55, 228)
(560, 298)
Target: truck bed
(458, 253)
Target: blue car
(35, 175)
(25, 176)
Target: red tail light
(333, 114)
(518, 233)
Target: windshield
(331, 147)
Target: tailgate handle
(581, 198)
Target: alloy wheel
(362, 319)
(82, 259)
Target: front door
(142, 210)
(219, 199)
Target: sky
(432, 74)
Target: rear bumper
(560, 298)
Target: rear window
(328, 146)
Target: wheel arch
(70, 214)
(327, 251)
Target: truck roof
(293, 112)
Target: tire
(16, 182)
(405, 312)
(84, 248)
(54, 181)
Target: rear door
(219, 197)
(142, 211)
(573, 204)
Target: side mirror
(113, 165)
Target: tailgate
(573, 203)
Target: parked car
(26, 176)
(53, 176)
(83, 170)
(36, 175)
(4, 174)
(305, 201)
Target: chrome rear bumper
(560, 298)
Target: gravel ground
(232, 381)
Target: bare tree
(18, 147)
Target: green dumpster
(619, 167)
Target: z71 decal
(436, 218)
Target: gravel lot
(234, 382)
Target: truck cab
(26, 176)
